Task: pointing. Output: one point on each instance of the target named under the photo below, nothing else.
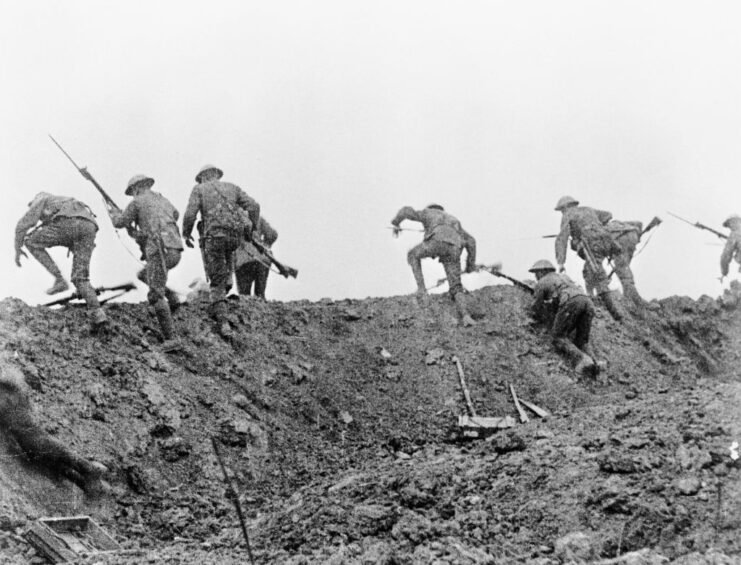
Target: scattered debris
(65, 539)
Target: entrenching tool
(122, 288)
(473, 425)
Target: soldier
(445, 239)
(626, 235)
(228, 215)
(251, 268)
(592, 241)
(558, 299)
(66, 222)
(16, 419)
(156, 220)
(732, 249)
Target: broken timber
(474, 426)
(66, 539)
(535, 408)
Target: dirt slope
(337, 420)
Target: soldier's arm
(189, 218)
(127, 217)
(28, 221)
(406, 213)
(727, 255)
(469, 244)
(562, 240)
(251, 205)
(540, 297)
(269, 234)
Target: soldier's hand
(396, 231)
(189, 242)
(18, 254)
(721, 278)
(561, 268)
(470, 268)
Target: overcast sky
(333, 115)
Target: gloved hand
(189, 242)
(18, 253)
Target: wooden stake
(520, 411)
(535, 408)
(466, 394)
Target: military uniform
(626, 235)
(156, 220)
(593, 242)
(226, 214)
(559, 300)
(445, 239)
(65, 222)
(732, 249)
(251, 270)
(16, 419)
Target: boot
(222, 324)
(162, 311)
(99, 321)
(586, 366)
(60, 285)
(460, 302)
(609, 301)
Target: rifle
(109, 202)
(284, 270)
(124, 288)
(498, 273)
(700, 226)
(231, 494)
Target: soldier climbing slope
(626, 235)
(66, 222)
(251, 268)
(228, 215)
(560, 302)
(445, 239)
(156, 220)
(17, 422)
(732, 249)
(593, 243)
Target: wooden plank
(486, 422)
(520, 411)
(46, 541)
(466, 393)
(535, 408)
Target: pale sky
(334, 114)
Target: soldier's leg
(451, 260)
(625, 274)
(598, 280)
(82, 244)
(566, 322)
(218, 256)
(156, 272)
(414, 258)
(245, 276)
(37, 243)
(261, 280)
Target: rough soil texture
(338, 422)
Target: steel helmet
(542, 265)
(733, 218)
(138, 179)
(565, 202)
(435, 207)
(208, 168)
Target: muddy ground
(338, 423)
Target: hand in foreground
(18, 254)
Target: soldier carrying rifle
(732, 249)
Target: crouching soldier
(445, 239)
(66, 222)
(228, 215)
(558, 298)
(156, 221)
(17, 421)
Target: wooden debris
(535, 408)
(66, 539)
(523, 416)
(466, 393)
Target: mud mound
(337, 422)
